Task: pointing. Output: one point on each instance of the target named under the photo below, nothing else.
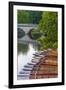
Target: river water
(26, 48)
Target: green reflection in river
(23, 48)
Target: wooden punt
(43, 65)
(47, 67)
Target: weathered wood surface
(47, 66)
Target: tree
(22, 16)
(25, 16)
(49, 27)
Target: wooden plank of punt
(27, 69)
(22, 78)
(37, 58)
(31, 63)
(27, 66)
(22, 75)
(45, 70)
(34, 61)
(28, 72)
(42, 51)
(46, 64)
(40, 54)
(36, 54)
(25, 74)
(34, 69)
(40, 57)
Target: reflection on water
(23, 48)
(25, 54)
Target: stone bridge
(27, 27)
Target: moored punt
(43, 65)
(47, 66)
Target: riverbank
(47, 67)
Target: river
(26, 48)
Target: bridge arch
(20, 33)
